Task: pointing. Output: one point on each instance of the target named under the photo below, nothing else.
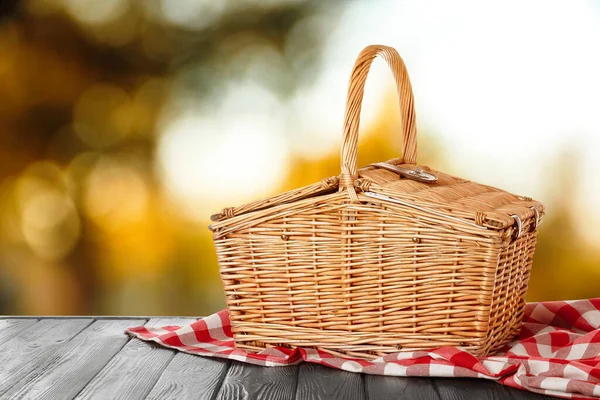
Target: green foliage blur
(87, 221)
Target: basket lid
(445, 194)
(448, 195)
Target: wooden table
(59, 358)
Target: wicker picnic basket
(389, 257)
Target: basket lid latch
(519, 229)
(416, 174)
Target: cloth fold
(557, 352)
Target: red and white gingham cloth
(557, 352)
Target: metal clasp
(519, 226)
(416, 174)
(538, 219)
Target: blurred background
(125, 124)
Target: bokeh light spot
(42, 175)
(96, 12)
(115, 194)
(49, 221)
(193, 14)
(235, 155)
(103, 115)
(50, 224)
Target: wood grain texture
(517, 394)
(190, 377)
(10, 328)
(396, 388)
(22, 355)
(132, 373)
(318, 382)
(75, 363)
(247, 381)
(469, 389)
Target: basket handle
(349, 156)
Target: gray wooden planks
(75, 363)
(380, 387)
(22, 355)
(517, 394)
(132, 373)
(10, 328)
(396, 388)
(468, 389)
(190, 377)
(49, 360)
(318, 382)
(247, 381)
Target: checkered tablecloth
(557, 352)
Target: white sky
(504, 86)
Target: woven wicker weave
(370, 262)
